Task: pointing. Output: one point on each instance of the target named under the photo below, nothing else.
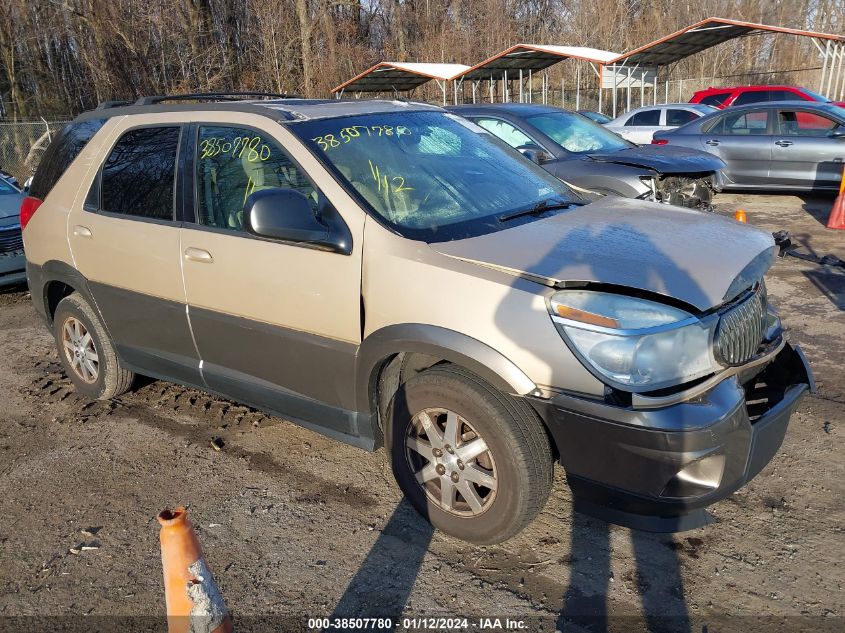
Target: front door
(125, 241)
(803, 152)
(277, 324)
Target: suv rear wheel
(86, 352)
(471, 459)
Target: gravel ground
(297, 526)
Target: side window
(138, 176)
(232, 163)
(510, 134)
(745, 124)
(715, 99)
(794, 123)
(61, 153)
(751, 96)
(645, 118)
(680, 117)
(784, 95)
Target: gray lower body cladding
(658, 469)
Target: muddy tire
(86, 351)
(472, 460)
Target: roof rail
(105, 105)
(211, 96)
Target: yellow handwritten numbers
(252, 147)
(389, 184)
(349, 134)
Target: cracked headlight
(634, 344)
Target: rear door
(640, 127)
(743, 140)
(125, 241)
(803, 152)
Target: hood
(664, 159)
(696, 257)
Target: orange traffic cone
(740, 216)
(193, 600)
(837, 213)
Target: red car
(743, 95)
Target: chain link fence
(23, 142)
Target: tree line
(59, 57)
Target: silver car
(639, 125)
(788, 145)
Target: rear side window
(744, 124)
(716, 99)
(138, 177)
(61, 153)
(645, 118)
(680, 117)
(786, 95)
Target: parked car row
(389, 274)
(11, 241)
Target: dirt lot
(298, 526)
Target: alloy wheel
(451, 461)
(79, 349)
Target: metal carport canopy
(700, 36)
(532, 57)
(400, 76)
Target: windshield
(815, 95)
(431, 175)
(577, 134)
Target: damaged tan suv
(389, 274)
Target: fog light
(696, 479)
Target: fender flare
(436, 341)
(52, 270)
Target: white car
(639, 126)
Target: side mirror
(535, 153)
(285, 214)
(840, 134)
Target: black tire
(519, 454)
(111, 378)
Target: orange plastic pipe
(189, 589)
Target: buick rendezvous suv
(389, 274)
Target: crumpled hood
(664, 158)
(690, 255)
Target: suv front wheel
(471, 459)
(86, 352)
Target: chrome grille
(11, 240)
(741, 329)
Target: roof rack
(105, 105)
(212, 96)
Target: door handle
(712, 142)
(82, 231)
(198, 255)
(783, 143)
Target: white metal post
(615, 82)
(628, 90)
(578, 85)
(839, 76)
(521, 99)
(530, 88)
(491, 88)
(832, 70)
(825, 56)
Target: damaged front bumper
(657, 469)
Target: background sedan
(12, 263)
(585, 154)
(639, 125)
(788, 145)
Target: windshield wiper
(540, 207)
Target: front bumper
(657, 469)
(12, 268)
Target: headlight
(632, 343)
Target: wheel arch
(52, 282)
(390, 355)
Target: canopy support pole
(628, 89)
(521, 96)
(578, 85)
(825, 55)
(601, 88)
(530, 88)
